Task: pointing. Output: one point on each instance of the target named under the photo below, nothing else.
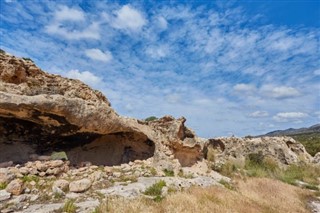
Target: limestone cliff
(42, 112)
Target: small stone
(4, 195)
(41, 166)
(27, 190)
(34, 198)
(80, 185)
(117, 174)
(96, 176)
(15, 187)
(61, 184)
(108, 169)
(55, 163)
(42, 174)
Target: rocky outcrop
(316, 159)
(41, 113)
(283, 150)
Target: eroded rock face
(284, 150)
(41, 113)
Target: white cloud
(69, 14)
(85, 76)
(247, 88)
(90, 32)
(162, 22)
(259, 114)
(316, 72)
(157, 52)
(97, 54)
(128, 18)
(289, 116)
(281, 92)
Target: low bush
(155, 189)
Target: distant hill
(309, 137)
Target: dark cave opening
(20, 139)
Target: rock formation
(41, 113)
(283, 150)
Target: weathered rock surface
(41, 113)
(4, 195)
(283, 150)
(316, 159)
(80, 185)
(15, 187)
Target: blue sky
(229, 67)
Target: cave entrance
(113, 149)
(20, 139)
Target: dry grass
(254, 195)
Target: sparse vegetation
(153, 171)
(69, 207)
(155, 189)
(3, 186)
(151, 118)
(249, 196)
(311, 141)
(29, 178)
(168, 173)
(27, 59)
(2, 51)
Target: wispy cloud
(97, 54)
(65, 13)
(259, 114)
(217, 66)
(289, 116)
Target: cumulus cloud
(128, 18)
(62, 25)
(69, 14)
(97, 54)
(289, 116)
(281, 92)
(259, 114)
(85, 76)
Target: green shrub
(155, 189)
(29, 178)
(3, 186)
(27, 59)
(153, 171)
(168, 173)
(151, 118)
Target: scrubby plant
(29, 178)
(153, 171)
(151, 118)
(3, 186)
(155, 189)
(27, 59)
(69, 207)
(168, 172)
